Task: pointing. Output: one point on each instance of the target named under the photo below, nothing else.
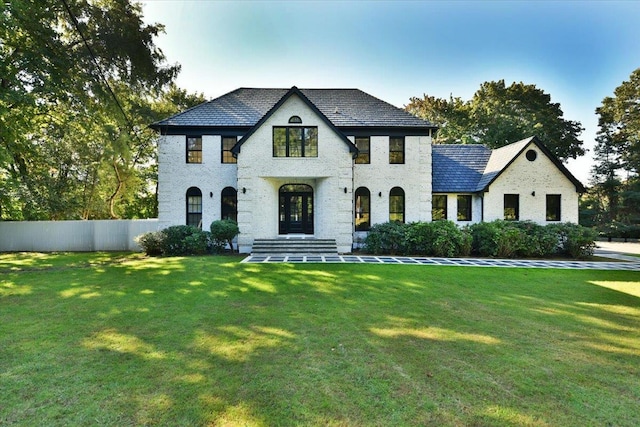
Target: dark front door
(296, 209)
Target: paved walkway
(631, 265)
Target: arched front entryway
(296, 209)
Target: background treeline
(80, 81)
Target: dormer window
(295, 119)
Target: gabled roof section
(244, 107)
(503, 157)
(458, 168)
(293, 91)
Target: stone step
(293, 246)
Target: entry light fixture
(210, 193)
(244, 190)
(533, 193)
(345, 190)
(380, 194)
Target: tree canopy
(615, 196)
(498, 115)
(80, 80)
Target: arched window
(194, 207)
(295, 119)
(396, 204)
(229, 204)
(363, 209)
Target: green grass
(116, 339)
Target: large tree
(498, 115)
(616, 172)
(79, 82)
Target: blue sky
(578, 52)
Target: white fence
(75, 236)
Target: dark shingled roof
(246, 106)
(457, 168)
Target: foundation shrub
(178, 240)
(386, 238)
(574, 240)
(539, 241)
(224, 231)
(151, 243)
(438, 238)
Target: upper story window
(512, 207)
(290, 141)
(439, 207)
(227, 144)
(363, 143)
(553, 207)
(396, 149)
(295, 119)
(194, 149)
(464, 207)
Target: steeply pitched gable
(293, 91)
(502, 158)
(473, 168)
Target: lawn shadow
(207, 340)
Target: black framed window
(553, 207)
(229, 204)
(396, 149)
(363, 209)
(290, 141)
(227, 144)
(194, 207)
(363, 143)
(396, 204)
(194, 149)
(512, 207)
(464, 207)
(439, 207)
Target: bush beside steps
(181, 240)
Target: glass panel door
(296, 209)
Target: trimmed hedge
(179, 240)
(439, 238)
(501, 239)
(224, 231)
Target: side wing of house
(457, 169)
(524, 181)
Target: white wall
(524, 177)
(81, 236)
(452, 208)
(414, 177)
(176, 176)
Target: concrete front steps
(294, 246)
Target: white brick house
(328, 163)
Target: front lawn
(113, 339)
